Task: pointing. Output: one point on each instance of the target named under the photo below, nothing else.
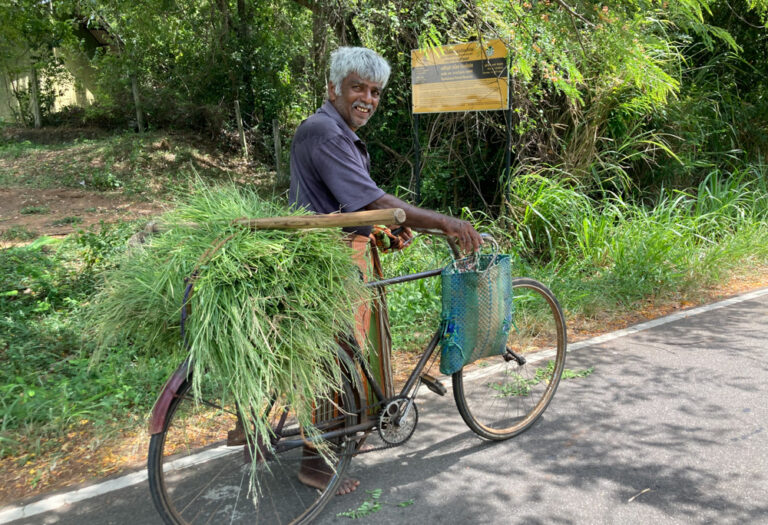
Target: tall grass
(47, 388)
(267, 308)
(615, 252)
(602, 255)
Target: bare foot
(316, 473)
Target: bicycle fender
(167, 395)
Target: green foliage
(34, 210)
(140, 166)
(623, 96)
(101, 249)
(414, 307)
(193, 59)
(28, 35)
(266, 310)
(17, 233)
(370, 506)
(68, 220)
(611, 252)
(47, 385)
(521, 386)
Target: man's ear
(331, 91)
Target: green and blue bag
(477, 310)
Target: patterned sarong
(371, 332)
(372, 327)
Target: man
(330, 172)
(330, 165)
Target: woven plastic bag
(477, 310)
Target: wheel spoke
(499, 398)
(216, 489)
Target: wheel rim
(499, 399)
(196, 477)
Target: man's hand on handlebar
(389, 238)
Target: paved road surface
(669, 428)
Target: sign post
(460, 77)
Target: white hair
(365, 62)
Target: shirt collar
(330, 110)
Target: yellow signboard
(461, 77)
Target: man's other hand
(415, 217)
(469, 240)
(406, 236)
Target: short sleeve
(340, 165)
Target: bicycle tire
(195, 477)
(499, 398)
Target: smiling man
(330, 172)
(330, 165)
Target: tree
(30, 32)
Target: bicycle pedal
(433, 384)
(511, 355)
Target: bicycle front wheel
(502, 396)
(200, 465)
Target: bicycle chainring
(394, 428)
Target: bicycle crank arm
(510, 354)
(405, 413)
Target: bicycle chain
(373, 449)
(377, 449)
(389, 445)
(386, 445)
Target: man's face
(358, 100)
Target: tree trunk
(279, 176)
(319, 62)
(137, 103)
(340, 19)
(240, 129)
(34, 98)
(246, 94)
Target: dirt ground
(57, 212)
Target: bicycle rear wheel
(500, 397)
(196, 476)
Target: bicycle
(200, 464)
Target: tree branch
(574, 13)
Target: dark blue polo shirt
(330, 167)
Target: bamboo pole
(389, 216)
(332, 220)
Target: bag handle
(475, 257)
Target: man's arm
(469, 239)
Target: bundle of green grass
(266, 308)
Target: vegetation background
(640, 135)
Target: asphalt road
(669, 428)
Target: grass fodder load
(265, 311)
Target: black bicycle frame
(284, 445)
